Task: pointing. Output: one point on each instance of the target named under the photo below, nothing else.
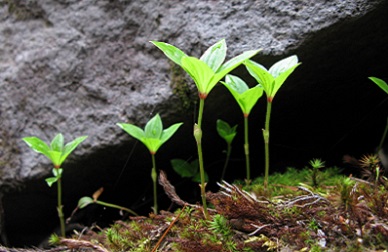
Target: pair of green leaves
(57, 152)
(209, 69)
(226, 131)
(379, 82)
(188, 169)
(271, 80)
(246, 97)
(153, 136)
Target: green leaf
(199, 72)
(167, 133)
(215, 55)
(262, 76)
(283, 65)
(84, 201)
(184, 168)
(57, 172)
(225, 131)
(245, 97)
(152, 144)
(281, 79)
(50, 181)
(236, 83)
(172, 52)
(38, 145)
(379, 82)
(154, 128)
(57, 143)
(132, 130)
(274, 78)
(55, 157)
(153, 135)
(70, 147)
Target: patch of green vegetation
(180, 88)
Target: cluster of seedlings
(254, 215)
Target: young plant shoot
(85, 201)
(153, 136)
(384, 86)
(57, 152)
(227, 133)
(271, 80)
(247, 98)
(316, 164)
(206, 72)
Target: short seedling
(153, 136)
(206, 72)
(57, 152)
(316, 164)
(227, 133)
(246, 98)
(85, 201)
(188, 169)
(384, 86)
(271, 80)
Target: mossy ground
(341, 213)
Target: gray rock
(79, 67)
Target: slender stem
(383, 138)
(154, 176)
(198, 138)
(60, 207)
(228, 151)
(246, 148)
(116, 206)
(266, 143)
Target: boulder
(80, 67)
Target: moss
(181, 88)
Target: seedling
(384, 86)
(316, 164)
(153, 136)
(57, 152)
(246, 98)
(85, 201)
(227, 133)
(206, 72)
(271, 80)
(188, 169)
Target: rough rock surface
(79, 67)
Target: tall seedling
(206, 72)
(246, 99)
(153, 136)
(271, 80)
(57, 152)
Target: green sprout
(188, 169)
(384, 86)
(85, 201)
(57, 152)
(153, 136)
(316, 164)
(247, 98)
(227, 133)
(206, 72)
(271, 80)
